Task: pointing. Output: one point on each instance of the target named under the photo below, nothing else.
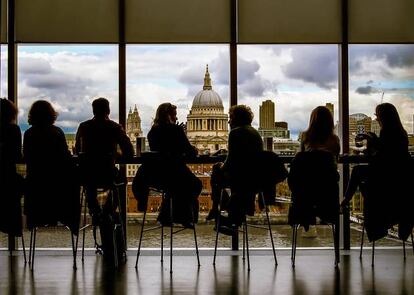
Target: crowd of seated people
(246, 169)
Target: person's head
(42, 113)
(100, 107)
(388, 117)
(8, 111)
(321, 125)
(166, 114)
(240, 115)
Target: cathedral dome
(207, 97)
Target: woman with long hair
(320, 133)
(389, 148)
(170, 171)
(387, 175)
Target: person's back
(170, 139)
(101, 137)
(244, 145)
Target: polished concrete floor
(314, 274)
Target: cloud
(314, 65)
(365, 90)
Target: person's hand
(182, 125)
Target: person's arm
(230, 147)
(187, 148)
(78, 139)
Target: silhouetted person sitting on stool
(386, 177)
(167, 170)
(97, 140)
(247, 170)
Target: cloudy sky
(296, 77)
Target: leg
(195, 236)
(358, 175)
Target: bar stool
(244, 230)
(166, 198)
(32, 247)
(114, 203)
(373, 246)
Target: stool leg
(195, 236)
(30, 247)
(34, 246)
(244, 246)
(405, 256)
(269, 226)
(247, 246)
(295, 237)
(24, 250)
(171, 233)
(140, 239)
(362, 241)
(412, 241)
(73, 251)
(217, 227)
(84, 227)
(373, 253)
(336, 243)
(162, 243)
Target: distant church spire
(135, 109)
(207, 80)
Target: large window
(69, 77)
(377, 74)
(287, 82)
(176, 73)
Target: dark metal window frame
(343, 85)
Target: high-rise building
(267, 115)
(207, 124)
(267, 125)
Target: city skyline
(291, 75)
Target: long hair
(389, 119)
(164, 113)
(321, 125)
(42, 113)
(8, 111)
